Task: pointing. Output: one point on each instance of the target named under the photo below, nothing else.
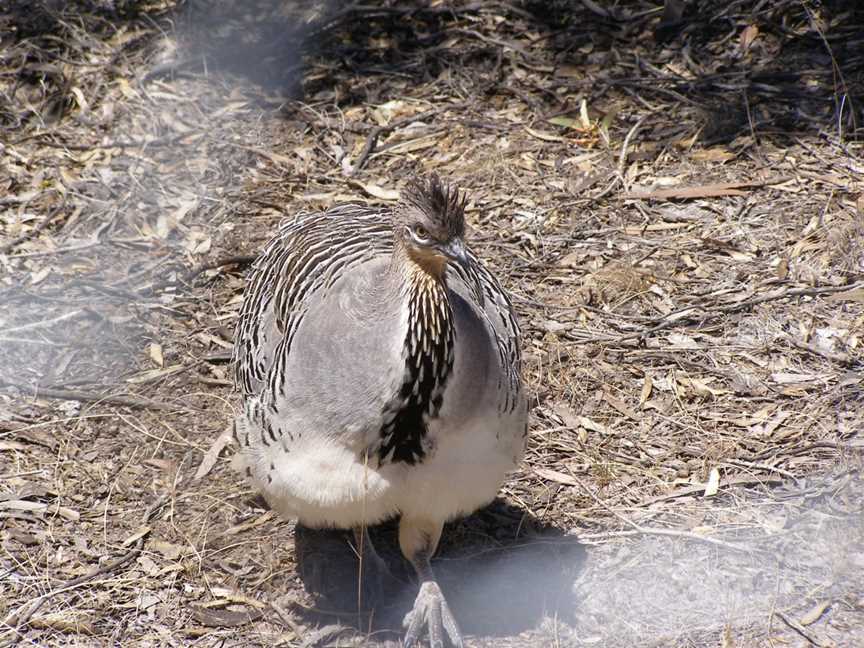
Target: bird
(379, 366)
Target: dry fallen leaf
(67, 622)
(377, 192)
(713, 154)
(788, 378)
(153, 374)
(198, 242)
(40, 507)
(815, 613)
(681, 341)
(573, 260)
(251, 524)
(700, 387)
(546, 137)
(155, 351)
(140, 533)
(713, 485)
(748, 36)
(592, 426)
(167, 549)
(555, 476)
(767, 428)
(783, 269)
(40, 275)
(228, 596)
(646, 390)
(621, 407)
(212, 454)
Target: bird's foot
(431, 611)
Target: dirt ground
(675, 202)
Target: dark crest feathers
(441, 203)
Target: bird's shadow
(501, 570)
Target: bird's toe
(431, 611)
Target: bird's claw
(431, 611)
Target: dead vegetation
(675, 203)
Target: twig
(673, 533)
(43, 323)
(794, 292)
(638, 529)
(378, 131)
(192, 273)
(239, 259)
(797, 628)
(622, 159)
(690, 314)
(741, 463)
(493, 41)
(91, 397)
(743, 480)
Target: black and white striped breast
(428, 352)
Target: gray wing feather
(308, 253)
(481, 288)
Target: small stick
(91, 397)
(797, 628)
(43, 323)
(688, 314)
(239, 259)
(640, 530)
(378, 131)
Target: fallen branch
(43, 323)
(743, 480)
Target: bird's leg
(418, 540)
(373, 573)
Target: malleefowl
(379, 364)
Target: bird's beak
(455, 250)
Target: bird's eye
(421, 232)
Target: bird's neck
(430, 319)
(424, 293)
(428, 353)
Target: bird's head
(431, 224)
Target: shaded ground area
(674, 202)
